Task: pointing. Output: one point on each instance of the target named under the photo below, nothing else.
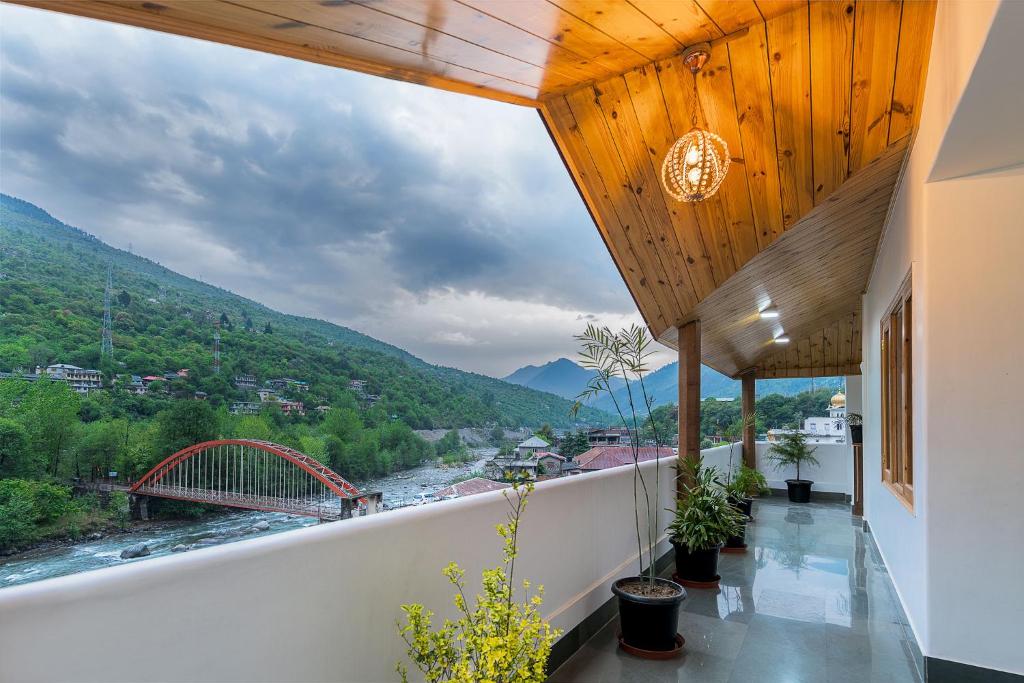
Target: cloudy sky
(444, 224)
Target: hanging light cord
(696, 97)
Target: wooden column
(689, 392)
(749, 428)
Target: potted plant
(498, 638)
(741, 488)
(743, 485)
(704, 519)
(856, 422)
(648, 605)
(792, 450)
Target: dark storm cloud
(319, 191)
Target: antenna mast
(107, 344)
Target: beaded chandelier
(696, 164)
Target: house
(470, 487)
(137, 386)
(246, 382)
(610, 436)
(549, 463)
(603, 457)
(292, 407)
(266, 395)
(245, 408)
(532, 445)
(81, 380)
(869, 228)
(148, 379)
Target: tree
(124, 298)
(15, 456)
(574, 444)
(546, 433)
(185, 423)
(49, 412)
(267, 329)
(497, 435)
(450, 444)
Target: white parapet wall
(834, 474)
(319, 604)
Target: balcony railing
(318, 604)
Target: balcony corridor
(810, 601)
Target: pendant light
(696, 164)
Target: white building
(831, 429)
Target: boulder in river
(95, 536)
(261, 525)
(136, 550)
(180, 548)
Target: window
(897, 396)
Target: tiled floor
(810, 601)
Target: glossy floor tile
(810, 600)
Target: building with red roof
(470, 487)
(603, 457)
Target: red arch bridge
(256, 475)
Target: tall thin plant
(624, 355)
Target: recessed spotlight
(781, 339)
(770, 312)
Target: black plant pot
(857, 434)
(739, 540)
(799, 490)
(649, 623)
(697, 565)
(746, 506)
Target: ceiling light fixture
(696, 164)
(769, 312)
(781, 339)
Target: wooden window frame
(896, 345)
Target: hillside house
(534, 444)
(81, 380)
(246, 382)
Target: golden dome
(838, 401)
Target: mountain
(663, 386)
(568, 379)
(561, 377)
(52, 278)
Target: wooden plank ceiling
(816, 101)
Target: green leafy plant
(499, 639)
(792, 450)
(747, 482)
(854, 419)
(704, 517)
(623, 356)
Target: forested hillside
(52, 278)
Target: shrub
(498, 639)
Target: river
(162, 536)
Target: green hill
(52, 278)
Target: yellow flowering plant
(499, 639)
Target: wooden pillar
(689, 392)
(749, 428)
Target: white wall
(955, 560)
(834, 473)
(317, 604)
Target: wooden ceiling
(816, 100)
